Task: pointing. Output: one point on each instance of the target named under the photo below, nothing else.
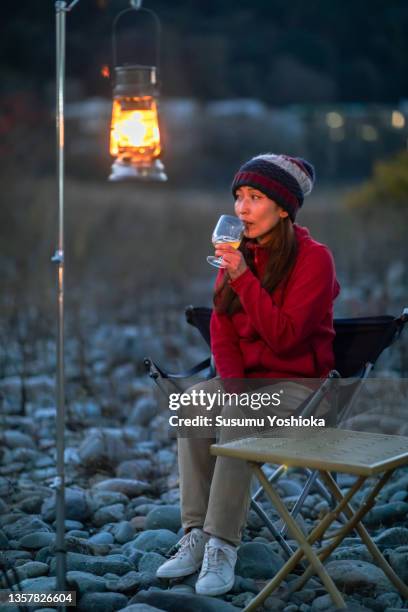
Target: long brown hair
(282, 248)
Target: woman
(272, 318)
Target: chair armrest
(155, 372)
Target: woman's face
(259, 213)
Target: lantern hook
(136, 5)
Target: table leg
(354, 519)
(364, 535)
(295, 531)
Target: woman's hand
(233, 260)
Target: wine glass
(228, 229)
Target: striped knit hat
(286, 180)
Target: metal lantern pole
(61, 8)
(58, 258)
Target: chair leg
(299, 503)
(276, 474)
(305, 546)
(321, 488)
(274, 531)
(364, 535)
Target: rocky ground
(122, 500)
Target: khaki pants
(215, 491)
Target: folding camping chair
(358, 344)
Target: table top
(338, 450)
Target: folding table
(326, 450)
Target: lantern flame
(135, 129)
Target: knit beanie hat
(286, 180)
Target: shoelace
(211, 558)
(184, 545)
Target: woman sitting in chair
(272, 318)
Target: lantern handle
(136, 5)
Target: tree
(386, 191)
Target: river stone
(399, 496)
(142, 509)
(274, 604)
(99, 499)
(103, 449)
(109, 514)
(87, 411)
(36, 540)
(32, 504)
(132, 582)
(324, 603)
(10, 517)
(69, 524)
(358, 553)
(389, 600)
(183, 588)
(16, 439)
(244, 584)
(45, 554)
(116, 564)
(101, 602)
(398, 559)
(4, 543)
(257, 560)
(150, 562)
(103, 537)
(182, 602)
(43, 584)
(130, 488)
(165, 461)
(76, 506)
(172, 496)
(289, 487)
(140, 608)
(365, 578)
(6, 487)
(140, 469)
(157, 540)
(79, 545)
(396, 536)
(135, 556)
(386, 514)
(242, 599)
(14, 556)
(78, 533)
(164, 517)
(143, 411)
(39, 387)
(32, 569)
(123, 532)
(25, 526)
(390, 489)
(84, 582)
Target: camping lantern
(135, 133)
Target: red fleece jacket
(284, 334)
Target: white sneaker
(188, 557)
(217, 572)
